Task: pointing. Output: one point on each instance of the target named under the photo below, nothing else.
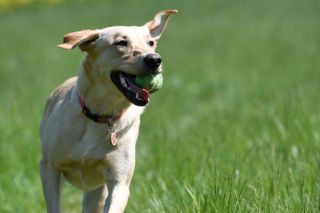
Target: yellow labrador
(91, 122)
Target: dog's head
(120, 53)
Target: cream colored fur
(76, 148)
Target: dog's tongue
(143, 93)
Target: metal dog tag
(114, 138)
(113, 134)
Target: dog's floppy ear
(159, 22)
(74, 39)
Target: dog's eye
(151, 43)
(123, 43)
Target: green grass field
(236, 127)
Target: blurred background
(235, 128)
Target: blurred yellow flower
(8, 4)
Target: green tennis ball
(151, 82)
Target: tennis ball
(151, 82)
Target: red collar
(109, 119)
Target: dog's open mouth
(127, 86)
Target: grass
(236, 127)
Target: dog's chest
(90, 144)
(88, 164)
(92, 159)
(85, 154)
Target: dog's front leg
(51, 180)
(117, 198)
(93, 201)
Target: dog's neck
(98, 92)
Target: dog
(91, 122)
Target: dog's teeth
(137, 96)
(123, 81)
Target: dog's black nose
(152, 60)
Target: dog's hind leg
(93, 201)
(51, 184)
